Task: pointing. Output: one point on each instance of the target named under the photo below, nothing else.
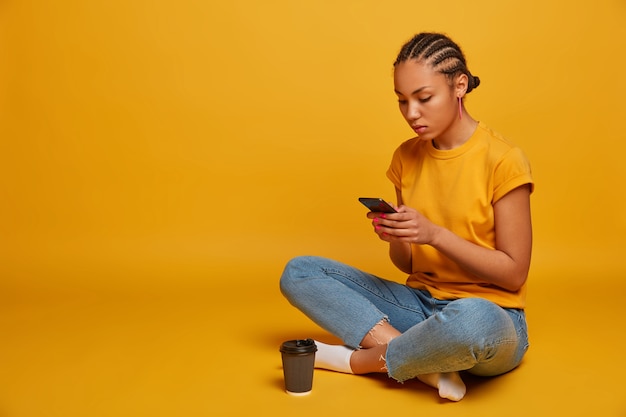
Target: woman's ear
(460, 85)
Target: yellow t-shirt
(456, 189)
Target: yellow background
(160, 161)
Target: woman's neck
(457, 135)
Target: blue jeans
(468, 334)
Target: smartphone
(377, 205)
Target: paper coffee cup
(298, 363)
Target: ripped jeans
(469, 334)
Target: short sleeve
(394, 173)
(511, 172)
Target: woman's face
(426, 100)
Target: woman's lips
(419, 129)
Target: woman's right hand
(406, 226)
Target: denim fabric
(470, 334)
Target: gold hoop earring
(460, 111)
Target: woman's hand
(407, 226)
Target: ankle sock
(449, 384)
(333, 357)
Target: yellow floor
(202, 351)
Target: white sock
(449, 384)
(333, 357)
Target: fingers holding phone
(379, 209)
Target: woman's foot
(333, 357)
(449, 384)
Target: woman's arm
(400, 252)
(507, 266)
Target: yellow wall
(187, 137)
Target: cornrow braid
(441, 53)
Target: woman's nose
(413, 112)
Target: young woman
(462, 233)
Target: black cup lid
(299, 346)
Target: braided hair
(441, 53)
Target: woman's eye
(402, 101)
(425, 99)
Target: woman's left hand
(407, 225)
